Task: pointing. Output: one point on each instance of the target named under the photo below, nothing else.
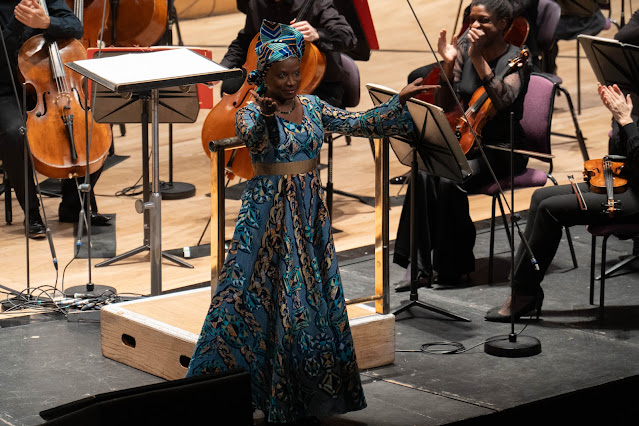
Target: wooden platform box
(158, 334)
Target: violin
(605, 177)
(220, 122)
(90, 13)
(481, 108)
(56, 126)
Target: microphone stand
(513, 345)
(89, 290)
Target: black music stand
(145, 74)
(613, 62)
(434, 149)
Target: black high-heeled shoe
(529, 309)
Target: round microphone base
(89, 291)
(512, 346)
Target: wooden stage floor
(184, 221)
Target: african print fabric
(279, 310)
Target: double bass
(220, 122)
(90, 13)
(126, 22)
(57, 125)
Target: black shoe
(405, 285)
(36, 229)
(398, 180)
(529, 309)
(451, 280)
(98, 219)
(68, 215)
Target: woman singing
(279, 308)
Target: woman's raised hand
(415, 88)
(447, 51)
(268, 106)
(619, 105)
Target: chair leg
(593, 245)
(8, 211)
(578, 78)
(572, 248)
(602, 284)
(505, 221)
(491, 255)
(578, 135)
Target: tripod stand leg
(414, 297)
(430, 308)
(177, 260)
(123, 256)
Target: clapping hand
(447, 51)
(619, 105)
(31, 14)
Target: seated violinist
(476, 60)
(554, 207)
(21, 20)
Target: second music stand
(145, 74)
(434, 149)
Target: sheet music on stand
(613, 62)
(146, 74)
(439, 151)
(137, 72)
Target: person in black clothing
(629, 33)
(21, 20)
(481, 55)
(554, 207)
(323, 26)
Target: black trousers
(551, 208)
(12, 156)
(443, 224)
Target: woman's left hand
(415, 88)
(477, 40)
(619, 105)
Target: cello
(56, 126)
(220, 122)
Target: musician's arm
(335, 33)
(503, 93)
(236, 54)
(63, 22)
(627, 143)
(629, 33)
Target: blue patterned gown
(279, 310)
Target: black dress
(443, 225)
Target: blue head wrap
(277, 42)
